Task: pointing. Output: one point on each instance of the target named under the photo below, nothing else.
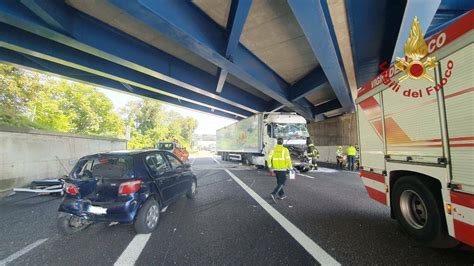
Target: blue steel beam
(373, 32)
(310, 16)
(238, 13)
(306, 104)
(316, 80)
(443, 22)
(46, 11)
(448, 12)
(185, 24)
(94, 37)
(221, 79)
(25, 42)
(464, 5)
(239, 10)
(37, 64)
(327, 106)
(317, 110)
(425, 17)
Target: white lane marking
(22, 252)
(308, 244)
(134, 249)
(215, 160)
(308, 176)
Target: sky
(207, 123)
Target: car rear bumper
(122, 212)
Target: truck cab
(292, 128)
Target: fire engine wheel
(419, 210)
(413, 209)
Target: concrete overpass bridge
(230, 58)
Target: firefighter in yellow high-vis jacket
(312, 153)
(279, 162)
(351, 154)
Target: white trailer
(416, 139)
(251, 139)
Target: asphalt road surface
(327, 218)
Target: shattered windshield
(290, 131)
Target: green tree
(151, 124)
(39, 101)
(189, 125)
(90, 111)
(18, 89)
(146, 114)
(56, 104)
(47, 109)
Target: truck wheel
(420, 213)
(245, 160)
(147, 217)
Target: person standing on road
(312, 152)
(351, 154)
(339, 155)
(279, 162)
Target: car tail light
(129, 187)
(72, 190)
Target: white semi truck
(251, 139)
(416, 136)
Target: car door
(162, 174)
(183, 181)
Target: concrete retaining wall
(27, 155)
(333, 132)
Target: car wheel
(148, 217)
(192, 190)
(69, 224)
(420, 212)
